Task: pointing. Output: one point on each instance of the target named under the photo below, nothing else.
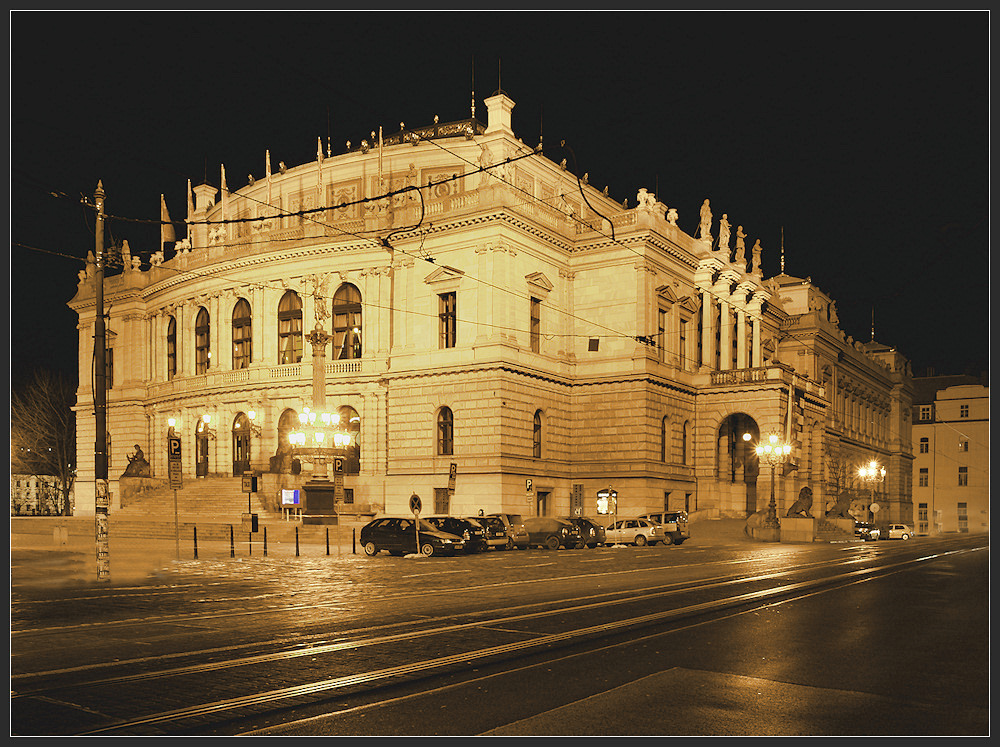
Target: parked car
(551, 533)
(632, 532)
(898, 531)
(469, 530)
(516, 533)
(398, 536)
(591, 533)
(867, 532)
(496, 532)
(672, 525)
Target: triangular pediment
(666, 293)
(539, 282)
(444, 275)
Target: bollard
(232, 542)
(354, 537)
(296, 542)
(328, 540)
(195, 542)
(265, 542)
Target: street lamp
(872, 474)
(774, 452)
(319, 440)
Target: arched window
(536, 436)
(445, 432)
(202, 342)
(290, 328)
(171, 348)
(346, 323)
(242, 346)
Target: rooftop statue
(705, 228)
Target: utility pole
(101, 497)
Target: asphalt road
(720, 636)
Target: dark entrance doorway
(241, 444)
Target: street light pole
(873, 474)
(774, 452)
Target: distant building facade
(951, 466)
(493, 320)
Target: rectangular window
(963, 517)
(924, 445)
(536, 323)
(661, 334)
(922, 518)
(963, 411)
(923, 477)
(682, 344)
(963, 444)
(446, 320)
(925, 412)
(963, 476)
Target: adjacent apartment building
(951, 467)
(495, 334)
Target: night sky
(860, 138)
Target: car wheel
(640, 540)
(427, 549)
(551, 543)
(905, 537)
(510, 544)
(370, 549)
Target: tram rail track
(622, 610)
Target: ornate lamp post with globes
(872, 474)
(774, 452)
(319, 439)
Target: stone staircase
(212, 506)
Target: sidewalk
(53, 550)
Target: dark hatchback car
(470, 530)
(398, 536)
(496, 532)
(552, 533)
(591, 533)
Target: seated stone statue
(802, 505)
(137, 464)
(839, 510)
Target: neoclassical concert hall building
(493, 334)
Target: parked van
(672, 524)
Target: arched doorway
(738, 465)
(201, 448)
(241, 444)
(350, 421)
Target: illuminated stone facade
(489, 310)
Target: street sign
(174, 473)
(452, 472)
(415, 504)
(249, 482)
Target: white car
(898, 532)
(632, 532)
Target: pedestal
(320, 503)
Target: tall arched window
(290, 328)
(445, 432)
(171, 348)
(536, 435)
(202, 342)
(684, 442)
(346, 323)
(242, 346)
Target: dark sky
(861, 138)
